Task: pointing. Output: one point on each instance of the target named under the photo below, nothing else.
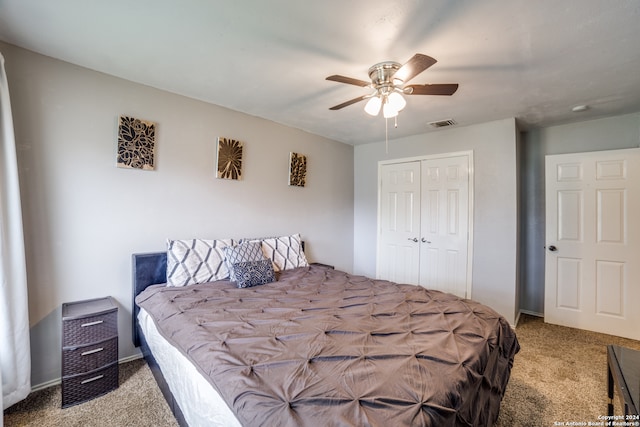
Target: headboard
(148, 269)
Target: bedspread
(322, 347)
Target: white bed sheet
(200, 403)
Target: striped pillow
(196, 261)
(285, 252)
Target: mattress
(200, 403)
(322, 347)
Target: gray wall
(495, 204)
(84, 217)
(594, 135)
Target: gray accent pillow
(244, 253)
(253, 273)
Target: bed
(320, 347)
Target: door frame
(470, 216)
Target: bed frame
(151, 269)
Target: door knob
(553, 248)
(415, 239)
(423, 240)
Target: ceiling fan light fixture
(373, 106)
(388, 82)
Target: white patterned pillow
(196, 261)
(244, 252)
(285, 252)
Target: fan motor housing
(382, 73)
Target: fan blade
(437, 89)
(351, 101)
(348, 80)
(413, 67)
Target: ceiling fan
(389, 82)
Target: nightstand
(319, 264)
(89, 349)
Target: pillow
(285, 252)
(196, 261)
(244, 252)
(253, 273)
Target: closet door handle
(425, 240)
(415, 239)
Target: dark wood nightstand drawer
(80, 388)
(77, 360)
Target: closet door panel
(398, 248)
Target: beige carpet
(137, 402)
(558, 376)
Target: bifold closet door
(444, 222)
(399, 247)
(424, 223)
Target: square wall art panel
(229, 159)
(297, 169)
(136, 143)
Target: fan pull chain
(386, 136)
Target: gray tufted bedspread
(320, 347)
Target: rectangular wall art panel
(136, 143)
(297, 169)
(229, 159)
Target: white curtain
(15, 356)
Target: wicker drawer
(89, 330)
(80, 388)
(77, 360)
(89, 349)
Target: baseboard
(515, 323)
(130, 358)
(48, 384)
(531, 313)
(528, 312)
(57, 381)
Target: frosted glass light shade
(397, 101)
(373, 106)
(388, 110)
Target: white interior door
(592, 263)
(445, 224)
(398, 247)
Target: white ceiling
(529, 59)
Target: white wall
(84, 217)
(495, 203)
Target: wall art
(136, 143)
(297, 169)
(229, 159)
